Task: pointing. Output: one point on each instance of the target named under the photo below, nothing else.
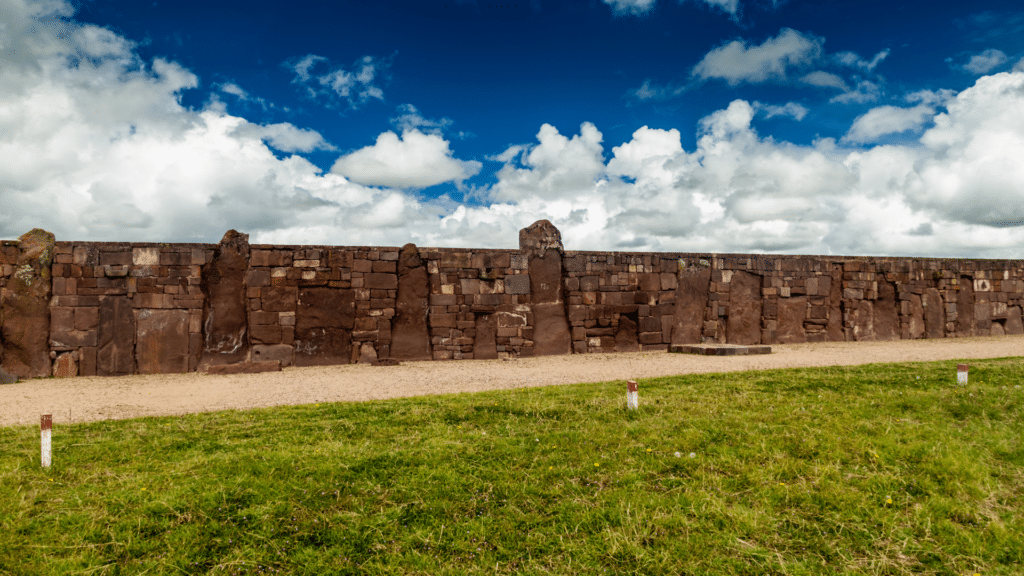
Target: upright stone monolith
(225, 314)
(410, 339)
(542, 243)
(25, 308)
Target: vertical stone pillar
(410, 339)
(745, 305)
(225, 310)
(691, 301)
(25, 308)
(541, 242)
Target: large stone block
(539, 237)
(691, 300)
(551, 330)
(834, 330)
(965, 323)
(934, 314)
(246, 367)
(485, 346)
(324, 319)
(25, 308)
(225, 310)
(162, 341)
(380, 281)
(115, 354)
(517, 284)
(66, 366)
(915, 318)
(626, 339)
(790, 328)
(410, 337)
(885, 314)
(863, 321)
(744, 323)
(1013, 321)
(546, 278)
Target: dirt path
(101, 398)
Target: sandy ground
(93, 398)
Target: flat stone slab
(719, 349)
(247, 367)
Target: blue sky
(882, 128)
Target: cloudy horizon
(714, 126)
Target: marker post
(961, 374)
(631, 394)
(45, 429)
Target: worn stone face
(367, 354)
(863, 321)
(965, 325)
(66, 366)
(744, 324)
(791, 320)
(551, 331)
(835, 311)
(161, 341)
(225, 313)
(282, 353)
(691, 300)
(1013, 323)
(115, 354)
(934, 314)
(485, 345)
(916, 317)
(324, 319)
(539, 237)
(25, 308)
(410, 339)
(885, 315)
(626, 339)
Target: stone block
(66, 366)
(62, 319)
(744, 323)
(281, 353)
(246, 367)
(442, 320)
(691, 299)
(517, 284)
(551, 330)
(380, 281)
(934, 314)
(915, 318)
(257, 278)
(162, 342)
(25, 308)
(87, 318)
(279, 299)
(72, 339)
(669, 281)
(87, 361)
(226, 312)
(519, 261)
(626, 335)
(456, 260)
(885, 313)
(792, 312)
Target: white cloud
(1019, 66)
(735, 63)
(888, 120)
(103, 150)
(825, 80)
(852, 60)
(983, 62)
(355, 87)
(417, 161)
(643, 7)
(789, 109)
(866, 92)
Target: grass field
(876, 469)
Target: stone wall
(94, 308)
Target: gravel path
(95, 398)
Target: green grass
(876, 469)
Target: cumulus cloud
(888, 120)
(99, 148)
(735, 63)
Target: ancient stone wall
(92, 308)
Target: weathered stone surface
(282, 353)
(324, 319)
(791, 320)
(161, 341)
(539, 237)
(934, 314)
(551, 331)
(517, 284)
(225, 309)
(410, 338)
(965, 307)
(25, 308)
(1013, 321)
(485, 345)
(916, 318)
(885, 316)
(246, 367)
(863, 321)
(626, 339)
(835, 302)
(115, 355)
(744, 324)
(6, 378)
(546, 278)
(997, 329)
(66, 366)
(691, 300)
(367, 353)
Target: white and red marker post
(45, 429)
(961, 374)
(631, 395)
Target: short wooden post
(631, 394)
(45, 427)
(961, 374)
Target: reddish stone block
(65, 366)
(744, 323)
(626, 335)
(885, 315)
(87, 318)
(691, 299)
(226, 314)
(551, 331)
(265, 334)
(72, 339)
(915, 318)
(1013, 321)
(650, 338)
(25, 308)
(62, 319)
(282, 353)
(791, 320)
(162, 342)
(263, 318)
(650, 324)
(324, 319)
(442, 320)
(279, 299)
(87, 361)
(649, 282)
(410, 339)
